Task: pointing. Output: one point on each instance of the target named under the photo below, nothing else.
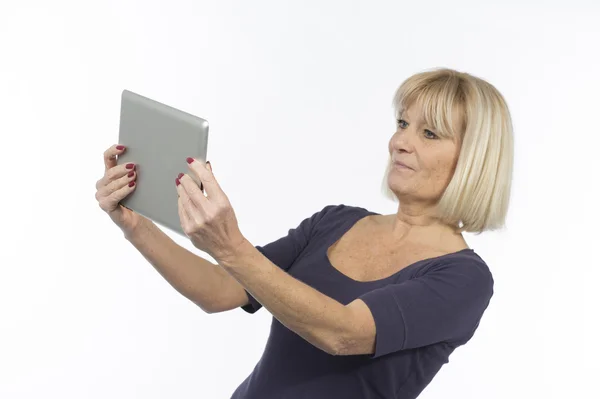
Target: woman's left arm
(210, 222)
(324, 322)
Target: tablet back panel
(158, 138)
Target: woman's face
(431, 159)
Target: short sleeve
(443, 305)
(284, 251)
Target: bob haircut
(477, 197)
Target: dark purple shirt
(422, 313)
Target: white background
(298, 95)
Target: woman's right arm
(203, 282)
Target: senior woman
(364, 305)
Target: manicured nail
(120, 147)
(179, 176)
(189, 160)
(129, 166)
(131, 183)
(201, 187)
(130, 174)
(177, 182)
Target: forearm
(199, 280)
(317, 318)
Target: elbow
(351, 343)
(206, 309)
(344, 339)
(347, 347)
(326, 342)
(339, 345)
(335, 350)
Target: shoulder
(337, 211)
(334, 215)
(464, 270)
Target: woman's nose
(401, 140)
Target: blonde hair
(477, 197)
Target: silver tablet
(158, 138)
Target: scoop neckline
(347, 228)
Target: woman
(364, 305)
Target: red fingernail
(177, 182)
(129, 166)
(131, 183)
(120, 147)
(180, 176)
(130, 174)
(189, 160)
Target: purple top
(422, 313)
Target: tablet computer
(158, 138)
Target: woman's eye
(399, 122)
(431, 134)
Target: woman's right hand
(117, 183)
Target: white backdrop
(298, 95)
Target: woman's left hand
(209, 221)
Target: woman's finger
(110, 155)
(193, 192)
(109, 200)
(128, 179)
(194, 213)
(195, 179)
(203, 173)
(114, 174)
